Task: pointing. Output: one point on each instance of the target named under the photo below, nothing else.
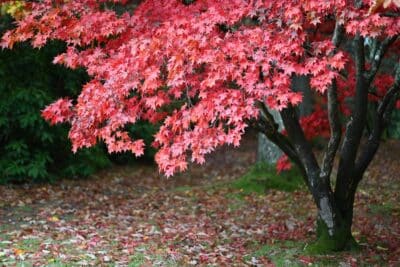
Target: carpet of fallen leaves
(132, 216)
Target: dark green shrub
(31, 150)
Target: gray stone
(268, 151)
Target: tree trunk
(334, 222)
(340, 239)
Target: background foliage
(31, 149)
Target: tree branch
(333, 116)
(356, 124)
(390, 14)
(336, 132)
(321, 189)
(300, 143)
(382, 118)
(268, 126)
(378, 55)
(338, 34)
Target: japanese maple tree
(208, 69)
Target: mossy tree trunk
(334, 224)
(339, 240)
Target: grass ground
(131, 216)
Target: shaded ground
(133, 216)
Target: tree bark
(336, 235)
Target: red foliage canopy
(197, 68)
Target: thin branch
(267, 117)
(378, 57)
(189, 101)
(338, 34)
(336, 132)
(390, 14)
(390, 93)
(358, 3)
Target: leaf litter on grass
(130, 216)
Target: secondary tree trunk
(267, 151)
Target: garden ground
(208, 216)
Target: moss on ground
(292, 253)
(262, 177)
